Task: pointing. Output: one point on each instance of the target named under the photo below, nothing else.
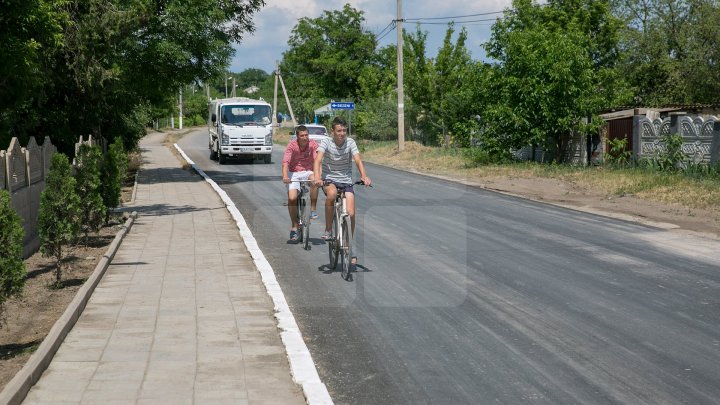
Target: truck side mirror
(213, 118)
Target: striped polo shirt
(337, 162)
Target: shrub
(12, 266)
(618, 154)
(671, 157)
(59, 218)
(113, 174)
(87, 186)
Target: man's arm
(287, 157)
(317, 167)
(363, 176)
(285, 177)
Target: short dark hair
(300, 128)
(339, 121)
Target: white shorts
(295, 176)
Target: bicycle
(340, 241)
(303, 228)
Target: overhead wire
(451, 19)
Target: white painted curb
(302, 365)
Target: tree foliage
(554, 67)
(439, 89)
(12, 266)
(59, 218)
(671, 50)
(106, 63)
(113, 175)
(88, 187)
(324, 57)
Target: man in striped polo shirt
(333, 164)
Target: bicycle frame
(303, 215)
(340, 244)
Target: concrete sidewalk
(181, 315)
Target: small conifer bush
(12, 266)
(88, 188)
(59, 219)
(113, 174)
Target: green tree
(553, 70)
(59, 218)
(119, 58)
(324, 57)
(88, 188)
(671, 49)
(376, 103)
(250, 77)
(113, 176)
(12, 266)
(28, 31)
(439, 87)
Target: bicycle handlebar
(359, 182)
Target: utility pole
(287, 99)
(275, 122)
(233, 90)
(180, 105)
(400, 86)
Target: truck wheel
(221, 159)
(213, 154)
(268, 159)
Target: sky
(276, 20)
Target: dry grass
(669, 188)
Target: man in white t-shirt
(333, 166)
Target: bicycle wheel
(346, 248)
(301, 217)
(333, 246)
(306, 225)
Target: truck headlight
(225, 140)
(268, 139)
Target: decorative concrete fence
(22, 173)
(701, 136)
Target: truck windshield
(246, 114)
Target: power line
(457, 22)
(378, 38)
(453, 17)
(383, 33)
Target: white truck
(240, 127)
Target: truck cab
(240, 127)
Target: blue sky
(275, 21)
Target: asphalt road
(468, 296)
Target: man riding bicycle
(298, 165)
(333, 168)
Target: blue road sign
(346, 105)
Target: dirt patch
(629, 207)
